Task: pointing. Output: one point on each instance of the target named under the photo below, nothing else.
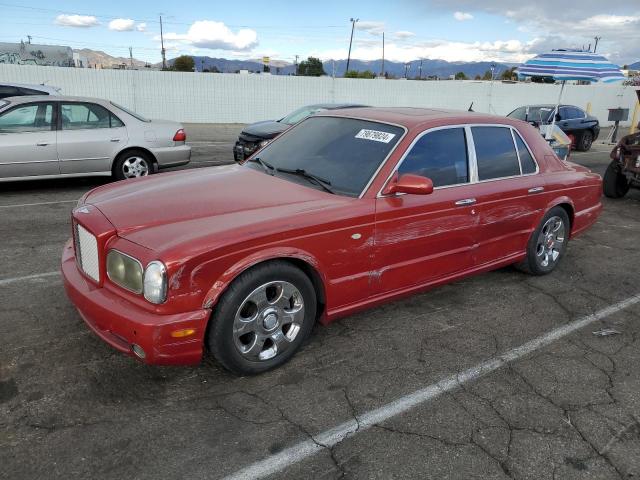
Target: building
(32, 54)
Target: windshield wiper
(268, 168)
(324, 183)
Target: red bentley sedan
(344, 211)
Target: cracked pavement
(73, 408)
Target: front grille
(87, 252)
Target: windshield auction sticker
(375, 135)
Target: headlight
(124, 270)
(155, 282)
(264, 143)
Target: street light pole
(353, 26)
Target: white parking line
(329, 438)
(7, 281)
(38, 203)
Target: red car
(345, 211)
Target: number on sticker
(375, 135)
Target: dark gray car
(581, 127)
(258, 134)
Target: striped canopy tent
(563, 65)
(571, 65)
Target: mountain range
(438, 68)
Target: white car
(53, 136)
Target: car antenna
(470, 109)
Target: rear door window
(526, 159)
(495, 152)
(440, 155)
(81, 116)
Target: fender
(274, 253)
(559, 200)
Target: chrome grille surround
(86, 246)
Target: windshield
(536, 114)
(298, 115)
(131, 112)
(343, 151)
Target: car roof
(33, 86)
(58, 98)
(337, 106)
(411, 117)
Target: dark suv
(579, 126)
(258, 134)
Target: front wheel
(614, 183)
(547, 244)
(586, 140)
(263, 318)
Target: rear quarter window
(495, 152)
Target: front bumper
(122, 324)
(172, 156)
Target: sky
(454, 30)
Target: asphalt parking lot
(497, 376)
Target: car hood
(266, 129)
(223, 204)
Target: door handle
(41, 144)
(466, 201)
(536, 190)
(115, 139)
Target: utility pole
(597, 39)
(164, 58)
(296, 65)
(353, 26)
(420, 70)
(382, 73)
(406, 68)
(29, 38)
(131, 57)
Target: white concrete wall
(231, 98)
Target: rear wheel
(614, 184)
(132, 164)
(548, 243)
(263, 318)
(586, 140)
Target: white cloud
(141, 27)
(374, 28)
(462, 16)
(82, 21)
(122, 25)
(508, 51)
(403, 35)
(216, 36)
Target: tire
(586, 140)
(547, 244)
(133, 164)
(262, 318)
(614, 183)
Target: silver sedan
(44, 136)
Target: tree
(509, 73)
(184, 63)
(357, 74)
(311, 67)
(477, 77)
(461, 76)
(487, 75)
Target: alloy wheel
(551, 241)
(268, 320)
(134, 167)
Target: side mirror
(558, 117)
(409, 183)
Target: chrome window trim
(471, 154)
(116, 283)
(515, 146)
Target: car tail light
(180, 136)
